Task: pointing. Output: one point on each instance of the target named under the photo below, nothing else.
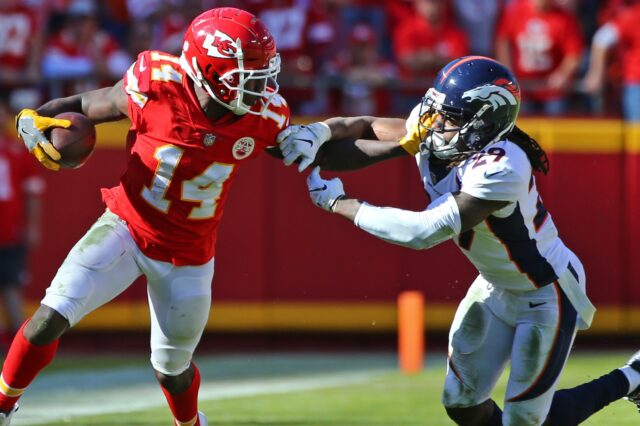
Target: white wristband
(322, 131)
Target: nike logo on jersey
(319, 189)
(488, 175)
(142, 65)
(535, 305)
(309, 141)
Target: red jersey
(18, 178)
(298, 30)
(18, 25)
(415, 34)
(181, 166)
(627, 23)
(539, 42)
(63, 43)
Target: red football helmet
(230, 54)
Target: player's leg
(179, 302)
(573, 406)
(99, 267)
(545, 330)
(479, 346)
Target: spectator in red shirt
(20, 49)
(20, 187)
(82, 52)
(362, 74)
(20, 43)
(303, 33)
(542, 43)
(623, 30)
(423, 43)
(168, 19)
(427, 40)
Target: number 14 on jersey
(204, 188)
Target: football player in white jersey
(477, 168)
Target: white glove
(302, 142)
(324, 193)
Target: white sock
(633, 376)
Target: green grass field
(275, 389)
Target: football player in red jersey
(194, 120)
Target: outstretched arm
(350, 154)
(445, 217)
(472, 210)
(107, 104)
(101, 105)
(342, 143)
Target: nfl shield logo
(208, 139)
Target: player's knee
(478, 415)
(45, 326)
(170, 362)
(175, 384)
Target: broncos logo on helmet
(492, 94)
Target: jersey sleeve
(501, 172)
(137, 85)
(279, 114)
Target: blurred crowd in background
(347, 57)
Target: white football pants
(534, 331)
(106, 261)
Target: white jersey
(517, 248)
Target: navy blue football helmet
(479, 95)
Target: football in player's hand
(76, 142)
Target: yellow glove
(31, 128)
(412, 140)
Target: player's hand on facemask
(302, 142)
(31, 128)
(324, 193)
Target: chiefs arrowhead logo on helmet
(220, 45)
